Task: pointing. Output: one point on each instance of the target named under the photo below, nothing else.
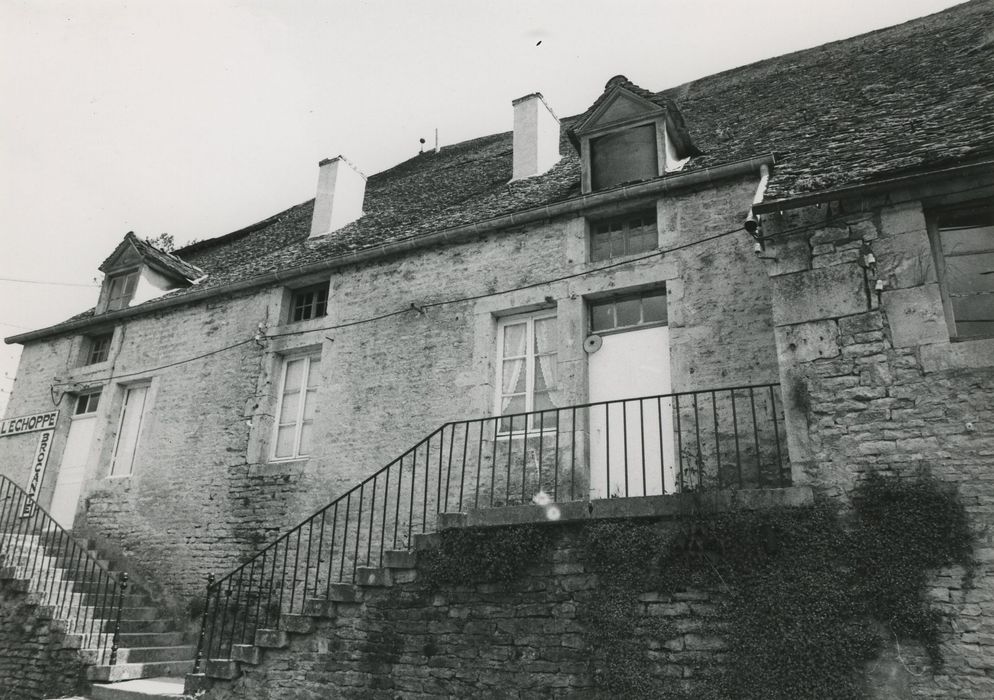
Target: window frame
(317, 289)
(625, 219)
(90, 346)
(627, 296)
(84, 399)
(299, 420)
(933, 217)
(123, 300)
(128, 388)
(531, 358)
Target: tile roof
(165, 262)
(908, 97)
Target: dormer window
(121, 288)
(628, 155)
(629, 135)
(137, 271)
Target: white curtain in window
(515, 343)
(545, 342)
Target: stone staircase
(399, 566)
(68, 591)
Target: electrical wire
(532, 285)
(58, 284)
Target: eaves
(666, 184)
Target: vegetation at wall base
(484, 555)
(806, 596)
(801, 598)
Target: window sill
(962, 353)
(281, 467)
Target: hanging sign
(28, 424)
(37, 471)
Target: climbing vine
(801, 598)
(806, 595)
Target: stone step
(143, 655)
(141, 626)
(151, 639)
(125, 672)
(142, 689)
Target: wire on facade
(56, 284)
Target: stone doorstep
(141, 689)
(666, 506)
(271, 639)
(246, 654)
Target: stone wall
(33, 662)
(204, 493)
(873, 382)
(494, 640)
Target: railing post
(203, 626)
(117, 622)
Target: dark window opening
(630, 311)
(87, 403)
(634, 233)
(308, 303)
(97, 348)
(623, 156)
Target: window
(295, 416)
(527, 367)
(96, 348)
(624, 156)
(121, 289)
(612, 238)
(627, 312)
(129, 430)
(311, 302)
(86, 403)
(963, 242)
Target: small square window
(87, 403)
(308, 303)
(121, 289)
(96, 348)
(963, 243)
(613, 238)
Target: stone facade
(872, 382)
(524, 638)
(204, 495)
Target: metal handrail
(32, 542)
(665, 443)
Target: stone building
(798, 251)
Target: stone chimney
(536, 136)
(341, 188)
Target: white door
(631, 443)
(72, 468)
(128, 433)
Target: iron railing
(61, 571)
(687, 441)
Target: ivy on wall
(804, 596)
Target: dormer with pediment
(629, 135)
(137, 271)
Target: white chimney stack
(536, 136)
(341, 188)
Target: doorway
(72, 469)
(631, 442)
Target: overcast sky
(199, 117)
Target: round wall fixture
(592, 344)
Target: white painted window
(294, 430)
(129, 430)
(526, 367)
(121, 290)
(963, 242)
